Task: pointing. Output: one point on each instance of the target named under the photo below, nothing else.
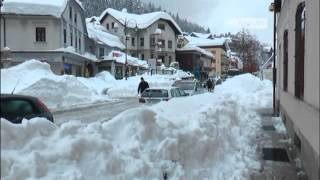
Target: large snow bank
(209, 136)
(36, 78)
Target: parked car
(15, 108)
(154, 95)
(192, 87)
(218, 81)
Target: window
(108, 26)
(15, 109)
(161, 43)
(101, 52)
(161, 26)
(141, 42)
(142, 56)
(170, 44)
(71, 35)
(76, 38)
(79, 43)
(133, 41)
(70, 12)
(64, 36)
(152, 42)
(40, 34)
(170, 59)
(285, 60)
(112, 25)
(299, 50)
(75, 17)
(152, 56)
(71, 38)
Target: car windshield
(185, 85)
(155, 93)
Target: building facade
(297, 85)
(147, 36)
(48, 34)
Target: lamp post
(157, 33)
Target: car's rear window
(155, 93)
(16, 108)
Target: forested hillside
(95, 7)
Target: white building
(52, 31)
(148, 36)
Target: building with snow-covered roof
(53, 31)
(148, 36)
(102, 42)
(115, 63)
(196, 60)
(219, 48)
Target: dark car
(15, 108)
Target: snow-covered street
(96, 112)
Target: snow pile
(251, 88)
(36, 7)
(35, 78)
(209, 136)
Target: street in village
(160, 90)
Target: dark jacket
(142, 86)
(209, 84)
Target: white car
(192, 87)
(154, 95)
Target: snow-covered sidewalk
(207, 136)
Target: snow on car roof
(162, 88)
(141, 20)
(36, 7)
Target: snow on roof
(201, 35)
(207, 42)
(189, 47)
(99, 34)
(119, 57)
(36, 7)
(141, 20)
(70, 49)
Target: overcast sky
(223, 16)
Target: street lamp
(158, 43)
